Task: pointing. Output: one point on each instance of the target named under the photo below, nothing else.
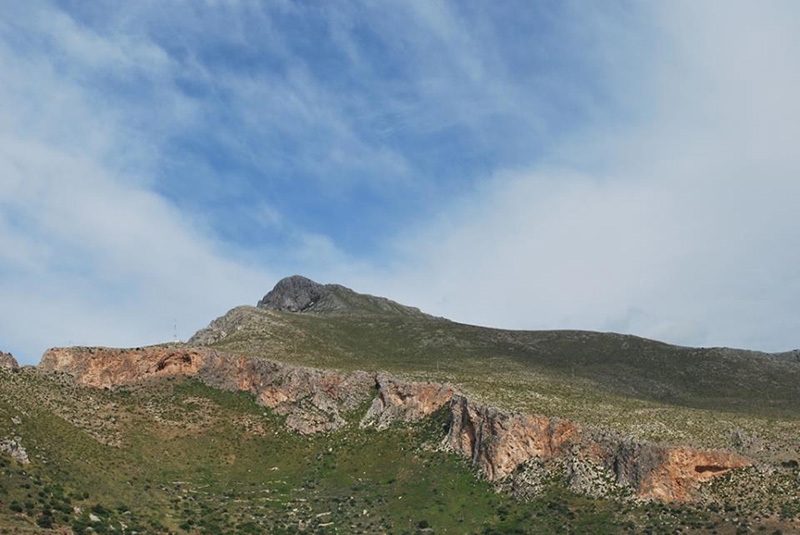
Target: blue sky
(627, 166)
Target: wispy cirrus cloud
(681, 225)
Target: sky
(618, 166)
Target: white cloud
(89, 254)
(688, 232)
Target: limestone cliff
(498, 443)
(400, 401)
(312, 400)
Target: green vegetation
(176, 456)
(642, 388)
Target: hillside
(715, 397)
(323, 410)
(166, 452)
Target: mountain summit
(299, 294)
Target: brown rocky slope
(498, 443)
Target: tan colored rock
(107, 367)
(683, 468)
(312, 400)
(8, 361)
(405, 401)
(496, 442)
(499, 442)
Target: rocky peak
(8, 361)
(293, 294)
(299, 294)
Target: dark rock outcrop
(299, 294)
(293, 294)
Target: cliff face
(399, 401)
(312, 400)
(499, 442)
(8, 361)
(496, 442)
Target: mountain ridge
(299, 294)
(301, 321)
(323, 405)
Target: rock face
(312, 400)
(299, 294)
(293, 294)
(8, 361)
(498, 443)
(399, 401)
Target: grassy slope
(647, 389)
(182, 457)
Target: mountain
(323, 410)
(299, 294)
(303, 322)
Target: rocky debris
(8, 361)
(299, 294)
(399, 401)
(500, 444)
(15, 450)
(745, 442)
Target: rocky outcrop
(399, 401)
(498, 443)
(312, 400)
(235, 320)
(293, 294)
(299, 294)
(8, 361)
(15, 450)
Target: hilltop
(299, 294)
